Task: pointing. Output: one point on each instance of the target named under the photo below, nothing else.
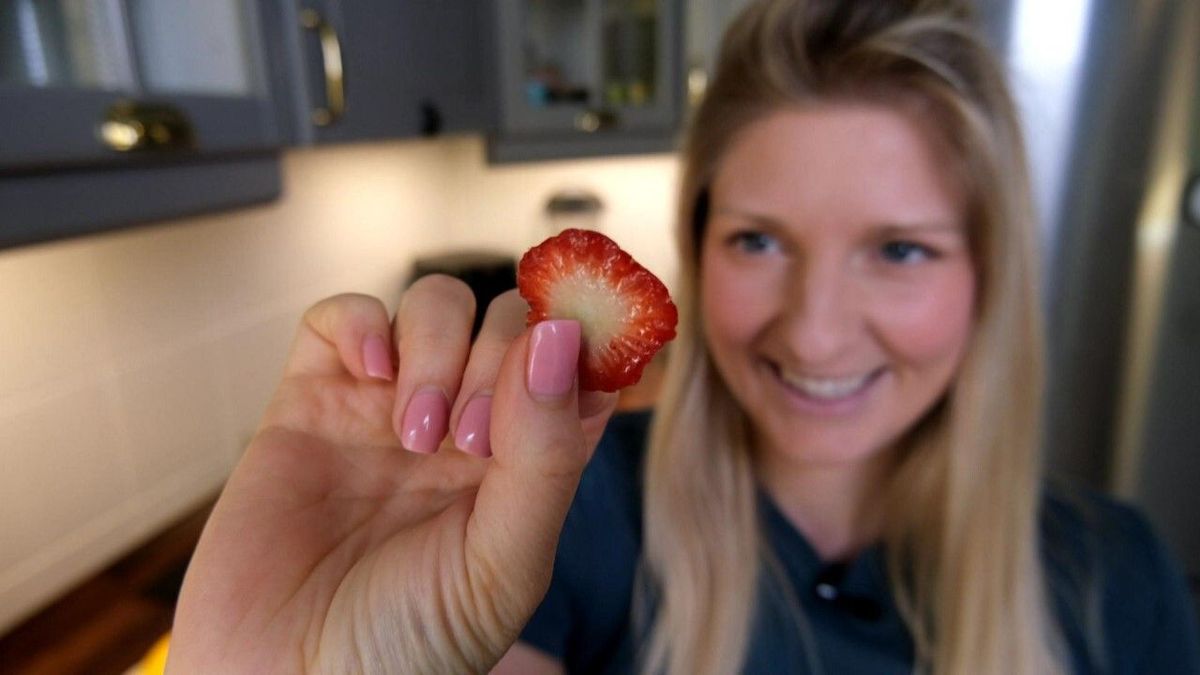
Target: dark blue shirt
(1121, 600)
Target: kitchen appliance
(1110, 91)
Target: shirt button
(826, 591)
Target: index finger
(504, 321)
(433, 337)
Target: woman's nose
(822, 313)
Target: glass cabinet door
(135, 45)
(588, 65)
(57, 43)
(629, 48)
(86, 80)
(558, 54)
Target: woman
(859, 355)
(841, 475)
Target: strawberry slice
(624, 310)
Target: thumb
(539, 451)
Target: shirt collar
(864, 576)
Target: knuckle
(345, 303)
(449, 292)
(318, 309)
(506, 315)
(423, 342)
(488, 355)
(509, 301)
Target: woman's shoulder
(602, 530)
(610, 490)
(1094, 525)
(603, 525)
(623, 445)
(611, 483)
(583, 621)
(1118, 590)
(1081, 526)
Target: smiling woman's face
(836, 280)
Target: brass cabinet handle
(130, 125)
(591, 121)
(331, 57)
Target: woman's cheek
(735, 301)
(930, 320)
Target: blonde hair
(961, 540)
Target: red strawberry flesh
(625, 312)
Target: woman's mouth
(828, 394)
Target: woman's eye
(754, 242)
(906, 252)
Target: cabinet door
(407, 67)
(108, 81)
(123, 112)
(588, 65)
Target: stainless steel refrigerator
(1110, 90)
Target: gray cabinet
(102, 80)
(123, 111)
(375, 69)
(118, 112)
(586, 77)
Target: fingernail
(425, 421)
(553, 358)
(472, 433)
(376, 357)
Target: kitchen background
(180, 180)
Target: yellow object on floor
(155, 660)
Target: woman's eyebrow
(899, 227)
(757, 218)
(931, 227)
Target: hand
(334, 549)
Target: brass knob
(588, 122)
(129, 126)
(591, 121)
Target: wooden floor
(106, 624)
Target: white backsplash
(502, 206)
(135, 364)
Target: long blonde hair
(961, 539)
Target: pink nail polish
(425, 421)
(377, 358)
(553, 358)
(472, 434)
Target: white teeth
(828, 389)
